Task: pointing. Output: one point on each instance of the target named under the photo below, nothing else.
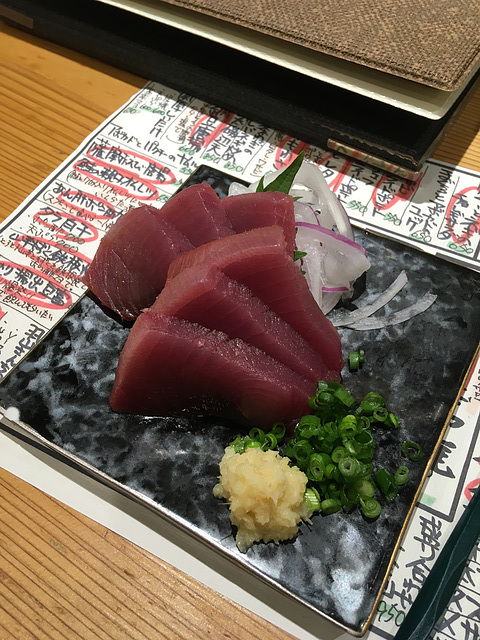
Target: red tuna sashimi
(206, 296)
(198, 213)
(131, 263)
(252, 210)
(258, 259)
(130, 266)
(171, 367)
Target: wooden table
(61, 574)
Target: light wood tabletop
(63, 575)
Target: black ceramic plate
(338, 565)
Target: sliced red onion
(332, 234)
(342, 260)
(305, 213)
(396, 318)
(334, 289)
(331, 264)
(310, 180)
(347, 318)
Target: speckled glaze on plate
(339, 564)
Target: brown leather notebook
(432, 42)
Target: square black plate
(338, 565)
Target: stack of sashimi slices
(225, 323)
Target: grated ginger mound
(264, 493)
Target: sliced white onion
(347, 318)
(396, 318)
(331, 299)
(236, 189)
(305, 213)
(331, 264)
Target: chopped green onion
(257, 438)
(391, 421)
(386, 483)
(257, 434)
(333, 490)
(308, 426)
(412, 450)
(288, 450)
(327, 459)
(348, 497)
(316, 467)
(348, 425)
(302, 451)
(345, 396)
(365, 444)
(311, 499)
(252, 444)
(371, 508)
(350, 468)
(365, 452)
(356, 359)
(334, 446)
(371, 402)
(330, 505)
(238, 444)
(278, 430)
(338, 453)
(270, 442)
(402, 475)
(367, 469)
(363, 422)
(330, 431)
(380, 414)
(332, 472)
(364, 488)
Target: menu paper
(142, 154)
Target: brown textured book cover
(433, 42)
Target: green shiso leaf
(298, 255)
(284, 181)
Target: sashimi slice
(170, 367)
(256, 244)
(131, 263)
(198, 213)
(130, 266)
(206, 296)
(248, 211)
(259, 260)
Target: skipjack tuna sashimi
(131, 263)
(260, 261)
(172, 367)
(224, 321)
(234, 371)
